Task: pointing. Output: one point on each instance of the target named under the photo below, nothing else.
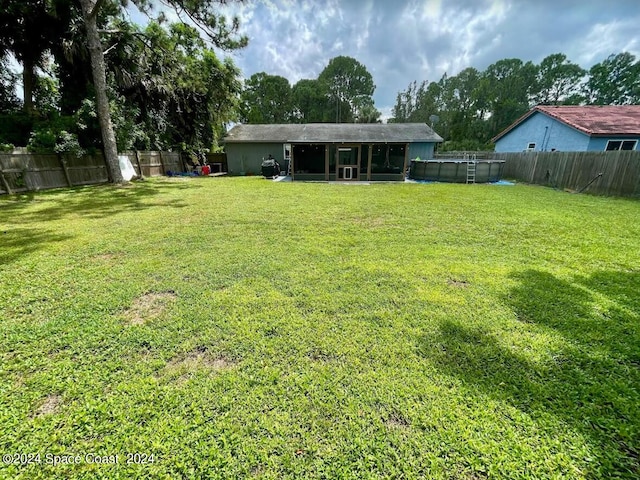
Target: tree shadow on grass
(97, 201)
(623, 291)
(589, 380)
(599, 314)
(23, 241)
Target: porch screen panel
(396, 158)
(308, 158)
(364, 158)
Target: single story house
(331, 151)
(571, 128)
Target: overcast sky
(404, 40)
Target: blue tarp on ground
(499, 182)
(503, 182)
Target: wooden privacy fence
(154, 164)
(21, 172)
(599, 173)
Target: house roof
(592, 120)
(333, 133)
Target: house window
(530, 147)
(613, 145)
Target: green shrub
(68, 143)
(49, 141)
(42, 141)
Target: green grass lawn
(240, 328)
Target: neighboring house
(573, 129)
(331, 151)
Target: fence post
(533, 169)
(63, 163)
(164, 171)
(5, 183)
(138, 162)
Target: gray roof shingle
(333, 133)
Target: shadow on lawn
(591, 383)
(17, 242)
(96, 201)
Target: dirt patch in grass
(397, 421)
(183, 366)
(319, 355)
(149, 306)
(370, 222)
(107, 256)
(49, 406)
(458, 283)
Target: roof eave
(615, 135)
(432, 140)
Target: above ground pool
(457, 170)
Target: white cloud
(606, 38)
(405, 40)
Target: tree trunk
(90, 12)
(28, 83)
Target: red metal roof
(593, 120)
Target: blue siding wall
(422, 150)
(598, 144)
(547, 133)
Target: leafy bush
(42, 141)
(6, 147)
(68, 143)
(129, 134)
(49, 141)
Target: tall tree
(463, 103)
(200, 12)
(455, 106)
(406, 101)
(474, 106)
(347, 82)
(27, 32)
(366, 112)
(90, 10)
(266, 99)
(418, 102)
(310, 102)
(510, 87)
(73, 65)
(614, 81)
(557, 80)
(180, 93)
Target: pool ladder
(471, 168)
